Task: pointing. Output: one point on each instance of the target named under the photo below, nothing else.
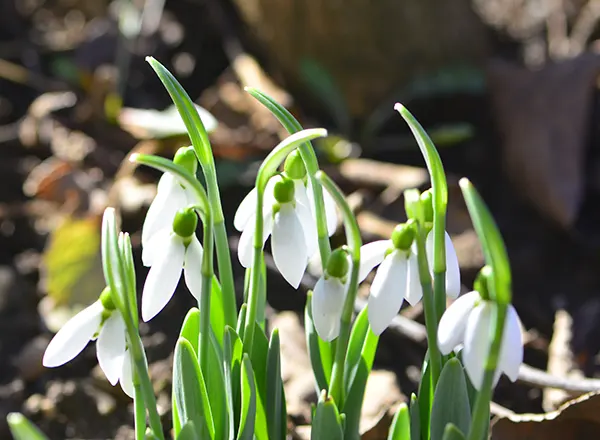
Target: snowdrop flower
(294, 169)
(100, 322)
(169, 251)
(329, 295)
(171, 196)
(468, 321)
(287, 221)
(397, 278)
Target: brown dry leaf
(543, 116)
(578, 419)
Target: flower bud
(185, 222)
(106, 299)
(427, 204)
(284, 191)
(186, 157)
(337, 265)
(294, 166)
(403, 236)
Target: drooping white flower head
(171, 196)
(329, 295)
(468, 322)
(452, 268)
(294, 169)
(99, 321)
(287, 221)
(170, 251)
(397, 277)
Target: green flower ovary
(294, 166)
(337, 265)
(403, 236)
(185, 222)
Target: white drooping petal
(155, 246)
(300, 193)
(414, 290)
(330, 208)
(451, 329)
(170, 197)
(126, 378)
(110, 347)
(371, 255)
(246, 243)
(72, 338)
(309, 228)
(327, 303)
(192, 267)
(163, 278)
(288, 244)
(245, 211)
(511, 353)
(477, 342)
(452, 268)
(388, 291)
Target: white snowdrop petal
(371, 255)
(192, 267)
(155, 246)
(477, 342)
(110, 347)
(511, 353)
(452, 270)
(414, 290)
(163, 278)
(246, 243)
(388, 291)
(451, 329)
(309, 228)
(301, 194)
(126, 378)
(245, 211)
(289, 245)
(170, 198)
(327, 303)
(72, 338)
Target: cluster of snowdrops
(226, 372)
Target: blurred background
(507, 89)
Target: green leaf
(232, 359)
(190, 390)
(425, 399)
(188, 432)
(356, 345)
(319, 351)
(241, 322)
(491, 242)
(217, 314)
(215, 383)
(327, 423)
(276, 408)
(248, 394)
(258, 356)
(190, 329)
(451, 401)
(415, 417)
(361, 370)
(400, 428)
(23, 429)
(453, 433)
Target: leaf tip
(134, 157)
(464, 183)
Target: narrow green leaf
(320, 353)
(215, 383)
(451, 401)
(188, 432)
(400, 428)
(276, 408)
(217, 311)
(453, 433)
(175, 415)
(327, 423)
(357, 344)
(248, 394)
(241, 322)
(356, 389)
(190, 392)
(425, 399)
(258, 356)
(23, 429)
(491, 242)
(190, 329)
(415, 418)
(232, 359)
